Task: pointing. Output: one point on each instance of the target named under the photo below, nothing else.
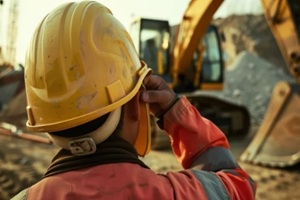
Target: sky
(30, 13)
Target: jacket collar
(113, 150)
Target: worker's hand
(158, 94)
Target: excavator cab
(157, 44)
(154, 40)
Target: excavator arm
(276, 143)
(192, 29)
(282, 17)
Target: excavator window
(154, 40)
(211, 65)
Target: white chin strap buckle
(82, 146)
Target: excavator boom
(196, 19)
(276, 143)
(282, 17)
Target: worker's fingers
(153, 82)
(158, 100)
(158, 94)
(161, 97)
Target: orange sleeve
(190, 133)
(203, 149)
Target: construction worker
(87, 88)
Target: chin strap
(86, 144)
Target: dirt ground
(23, 162)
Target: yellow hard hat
(81, 64)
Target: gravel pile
(254, 63)
(249, 81)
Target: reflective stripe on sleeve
(236, 172)
(212, 185)
(21, 195)
(215, 159)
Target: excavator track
(233, 119)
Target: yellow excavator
(191, 60)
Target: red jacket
(210, 170)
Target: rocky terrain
(249, 33)
(249, 81)
(253, 63)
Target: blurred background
(253, 63)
